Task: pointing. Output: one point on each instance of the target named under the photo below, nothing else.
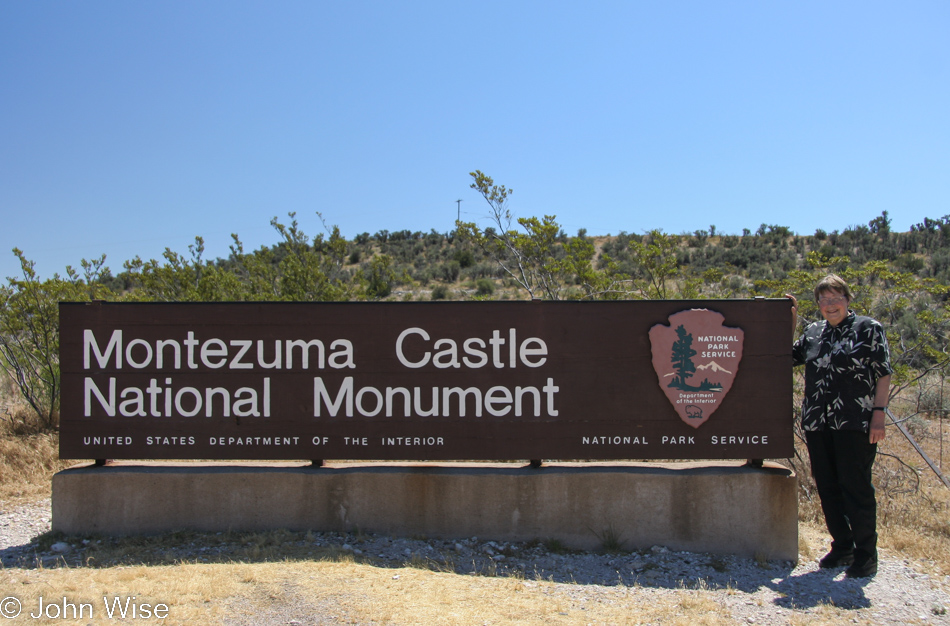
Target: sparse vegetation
(611, 541)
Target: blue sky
(128, 127)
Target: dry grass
(27, 464)
(349, 593)
(29, 455)
(913, 505)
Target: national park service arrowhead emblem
(696, 359)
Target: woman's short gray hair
(832, 282)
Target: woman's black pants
(841, 462)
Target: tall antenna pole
(458, 217)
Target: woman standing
(847, 380)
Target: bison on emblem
(694, 412)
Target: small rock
(60, 547)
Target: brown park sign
(670, 379)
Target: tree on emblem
(682, 357)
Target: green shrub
(484, 287)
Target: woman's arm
(881, 391)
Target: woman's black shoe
(836, 559)
(862, 569)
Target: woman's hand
(794, 311)
(877, 427)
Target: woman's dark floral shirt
(842, 365)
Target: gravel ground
(754, 592)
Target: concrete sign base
(717, 507)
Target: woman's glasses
(831, 301)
